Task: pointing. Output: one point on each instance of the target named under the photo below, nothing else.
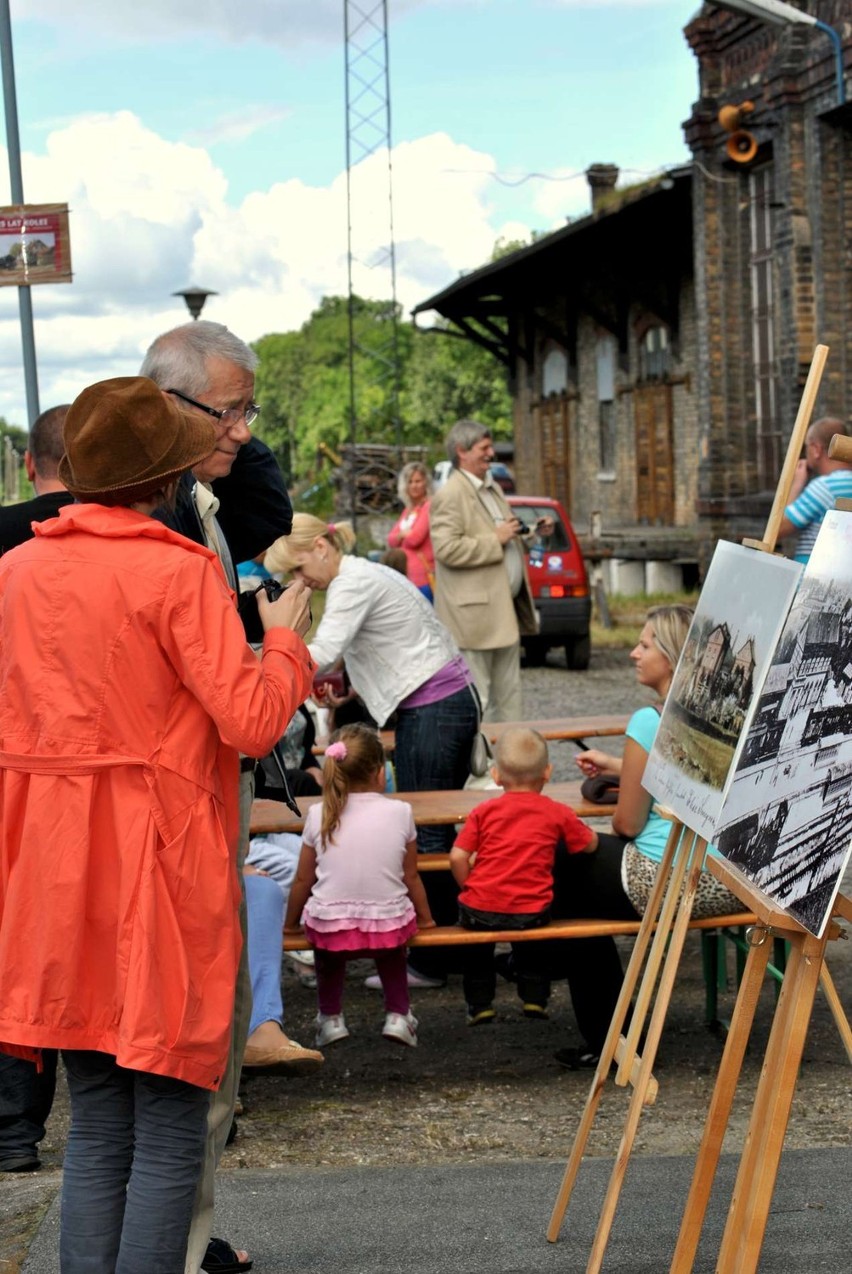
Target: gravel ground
(495, 1092)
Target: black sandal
(221, 1258)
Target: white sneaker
(402, 1030)
(330, 1029)
(417, 980)
(302, 957)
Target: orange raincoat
(126, 690)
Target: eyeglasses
(229, 417)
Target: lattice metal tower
(369, 201)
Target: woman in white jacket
(399, 656)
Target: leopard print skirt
(638, 874)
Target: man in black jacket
(235, 502)
(41, 461)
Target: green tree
(19, 436)
(303, 384)
(303, 379)
(450, 379)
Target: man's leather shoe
(287, 1058)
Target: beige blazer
(472, 595)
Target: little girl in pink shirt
(357, 889)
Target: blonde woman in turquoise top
(636, 820)
(616, 882)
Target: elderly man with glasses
(235, 502)
(209, 369)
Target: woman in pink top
(357, 888)
(411, 530)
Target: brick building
(657, 348)
(772, 240)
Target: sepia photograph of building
(738, 619)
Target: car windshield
(529, 514)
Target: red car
(560, 585)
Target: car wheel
(534, 653)
(578, 653)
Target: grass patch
(628, 617)
(697, 755)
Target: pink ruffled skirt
(361, 935)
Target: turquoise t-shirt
(651, 841)
(653, 838)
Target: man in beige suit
(482, 591)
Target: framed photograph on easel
(738, 618)
(786, 821)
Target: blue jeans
(265, 910)
(433, 755)
(132, 1165)
(25, 1101)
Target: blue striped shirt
(807, 512)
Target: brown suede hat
(126, 438)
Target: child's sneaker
(477, 1017)
(536, 1011)
(401, 1029)
(330, 1029)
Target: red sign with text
(35, 246)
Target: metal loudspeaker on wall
(741, 145)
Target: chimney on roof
(601, 179)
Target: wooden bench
(711, 928)
(430, 808)
(571, 729)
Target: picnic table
(573, 729)
(430, 808)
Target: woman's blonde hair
(353, 770)
(405, 473)
(306, 531)
(669, 625)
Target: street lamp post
(781, 14)
(195, 298)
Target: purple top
(447, 681)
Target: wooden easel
(669, 911)
(747, 1217)
(656, 956)
(758, 1170)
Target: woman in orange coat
(126, 691)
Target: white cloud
(150, 216)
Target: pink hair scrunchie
(332, 527)
(337, 751)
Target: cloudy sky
(205, 144)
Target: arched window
(554, 372)
(655, 354)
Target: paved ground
(473, 1219)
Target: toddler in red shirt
(503, 861)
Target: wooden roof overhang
(636, 247)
